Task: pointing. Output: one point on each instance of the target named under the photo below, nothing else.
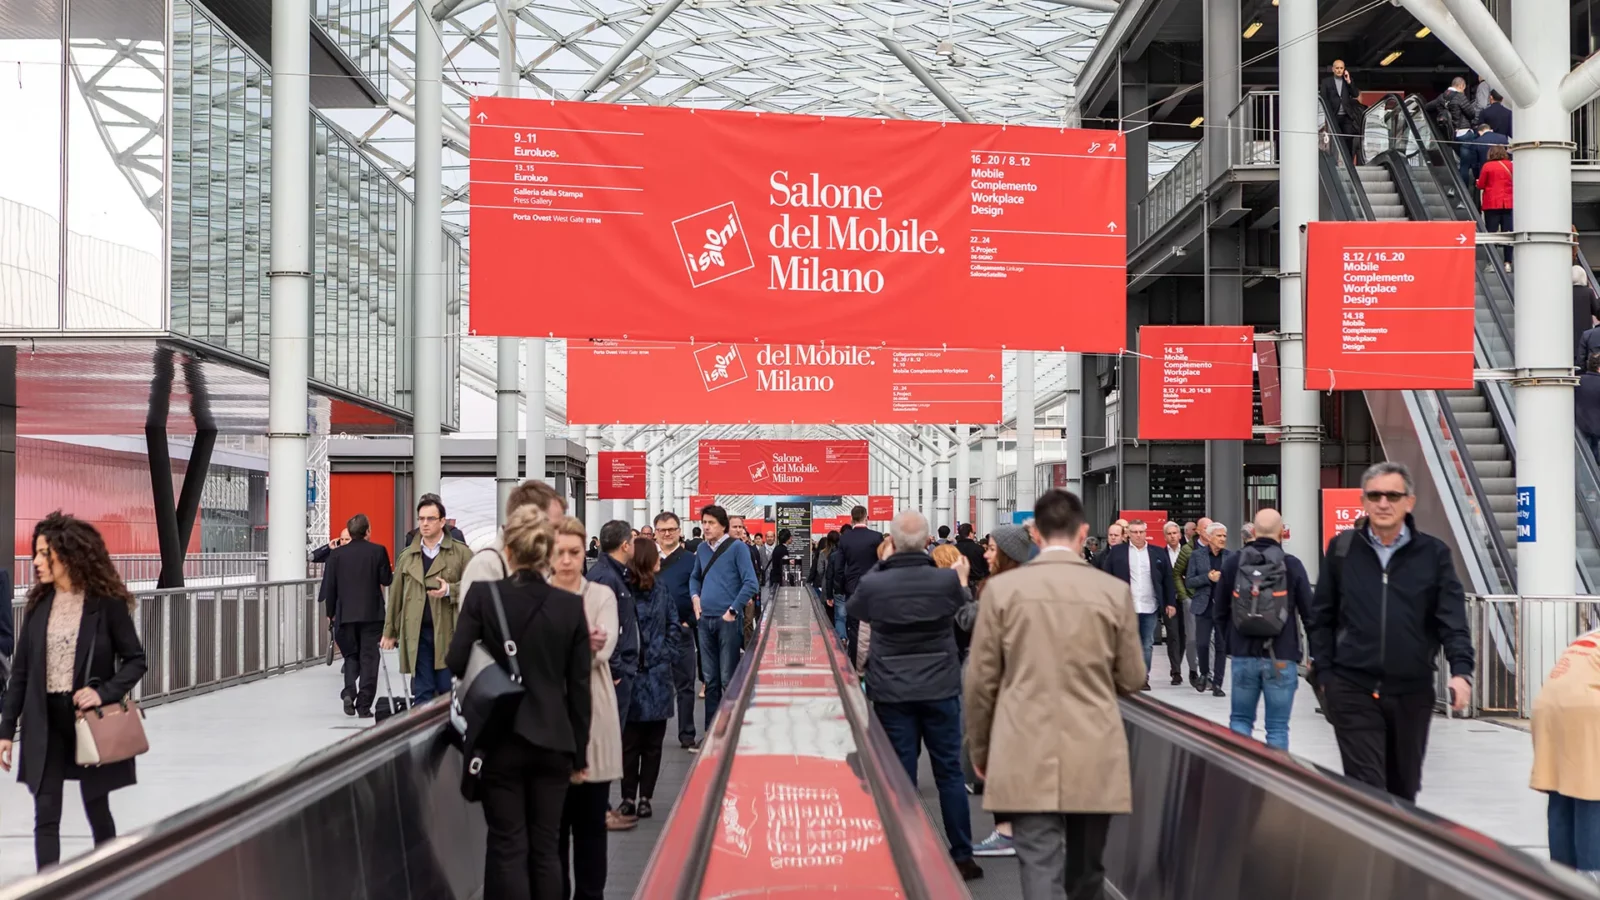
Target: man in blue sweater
(722, 580)
(677, 564)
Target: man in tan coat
(1055, 642)
(421, 616)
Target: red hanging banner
(698, 502)
(1194, 382)
(1341, 507)
(660, 223)
(772, 384)
(784, 468)
(880, 508)
(1271, 388)
(622, 475)
(1389, 305)
(1154, 519)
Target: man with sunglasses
(1387, 600)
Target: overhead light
(1251, 29)
(1424, 31)
(1197, 121)
(1390, 58)
(1274, 2)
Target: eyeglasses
(1391, 496)
(668, 530)
(429, 519)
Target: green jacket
(403, 617)
(1180, 567)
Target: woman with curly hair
(77, 650)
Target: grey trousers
(1189, 647)
(1060, 854)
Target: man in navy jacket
(1264, 668)
(677, 564)
(1148, 572)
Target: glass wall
(361, 29)
(30, 167)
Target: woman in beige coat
(583, 822)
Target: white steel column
(963, 467)
(506, 387)
(989, 478)
(291, 302)
(1543, 292)
(1027, 493)
(1074, 414)
(1300, 447)
(941, 481)
(533, 424)
(641, 505)
(907, 493)
(427, 258)
(591, 480)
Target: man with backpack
(1387, 600)
(1260, 598)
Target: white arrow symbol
(1112, 148)
(1111, 225)
(483, 117)
(1461, 239)
(991, 377)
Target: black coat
(1454, 108)
(552, 637)
(780, 552)
(117, 666)
(1347, 106)
(1586, 402)
(1284, 647)
(1166, 591)
(858, 553)
(974, 554)
(911, 604)
(353, 582)
(1382, 628)
(625, 656)
(1498, 117)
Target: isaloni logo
(720, 365)
(713, 244)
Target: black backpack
(1261, 592)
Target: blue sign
(1527, 520)
(311, 489)
(1022, 517)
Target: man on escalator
(1341, 99)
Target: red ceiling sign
(880, 508)
(622, 475)
(1194, 382)
(698, 502)
(768, 384)
(1271, 387)
(658, 223)
(792, 468)
(1389, 305)
(1341, 507)
(825, 524)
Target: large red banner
(622, 475)
(768, 384)
(657, 223)
(880, 508)
(1341, 507)
(788, 468)
(1389, 305)
(1194, 382)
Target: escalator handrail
(1467, 463)
(1453, 850)
(1348, 165)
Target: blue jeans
(1258, 678)
(936, 723)
(838, 619)
(1147, 638)
(427, 682)
(1575, 832)
(720, 643)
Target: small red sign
(1154, 519)
(1271, 388)
(880, 508)
(698, 502)
(622, 475)
(1341, 507)
(784, 468)
(1194, 382)
(1389, 305)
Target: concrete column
(1300, 450)
(988, 485)
(1027, 492)
(1543, 294)
(1074, 416)
(641, 506)
(1221, 256)
(963, 467)
(427, 258)
(291, 300)
(506, 387)
(591, 480)
(941, 482)
(533, 465)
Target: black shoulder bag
(484, 701)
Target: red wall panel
(106, 487)
(363, 492)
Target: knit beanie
(1013, 541)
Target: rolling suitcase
(390, 704)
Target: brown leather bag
(109, 734)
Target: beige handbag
(109, 734)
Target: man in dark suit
(857, 553)
(973, 552)
(1341, 99)
(1148, 572)
(1496, 115)
(352, 593)
(1474, 152)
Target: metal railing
(1170, 194)
(1516, 641)
(1253, 131)
(201, 639)
(139, 567)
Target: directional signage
(772, 384)
(1389, 305)
(1527, 516)
(698, 502)
(1267, 376)
(1341, 507)
(603, 220)
(880, 508)
(790, 467)
(622, 475)
(1194, 382)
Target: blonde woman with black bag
(76, 653)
